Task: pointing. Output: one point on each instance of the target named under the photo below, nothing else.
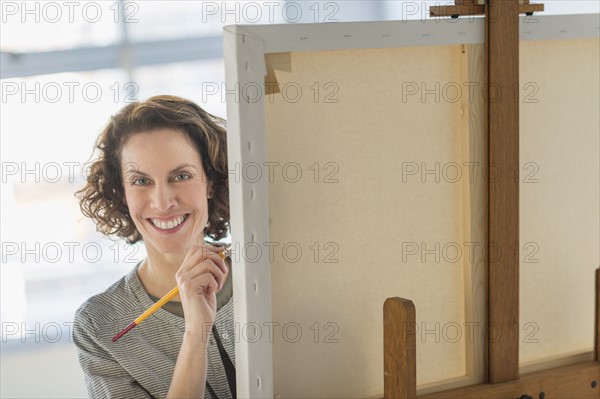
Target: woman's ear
(210, 190)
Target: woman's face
(166, 189)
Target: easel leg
(399, 349)
(597, 323)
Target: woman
(161, 177)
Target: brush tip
(124, 331)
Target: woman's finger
(205, 267)
(200, 256)
(201, 284)
(205, 249)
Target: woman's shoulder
(109, 305)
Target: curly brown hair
(103, 198)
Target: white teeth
(168, 225)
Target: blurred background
(65, 68)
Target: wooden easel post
(502, 117)
(597, 323)
(399, 364)
(502, 60)
(580, 380)
(400, 349)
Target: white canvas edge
(244, 50)
(244, 66)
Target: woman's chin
(166, 248)
(171, 249)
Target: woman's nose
(163, 197)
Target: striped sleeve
(104, 376)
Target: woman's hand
(202, 273)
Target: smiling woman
(165, 196)
(102, 198)
(161, 177)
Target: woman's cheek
(134, 200)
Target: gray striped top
(141, 363)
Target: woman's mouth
(169, 225)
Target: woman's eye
(142, 181)
(182, 177)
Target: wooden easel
(399, 338)
(502, 297)
(475, 7)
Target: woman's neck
(157, 272)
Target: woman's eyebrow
(144, 174)
(185, 165)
